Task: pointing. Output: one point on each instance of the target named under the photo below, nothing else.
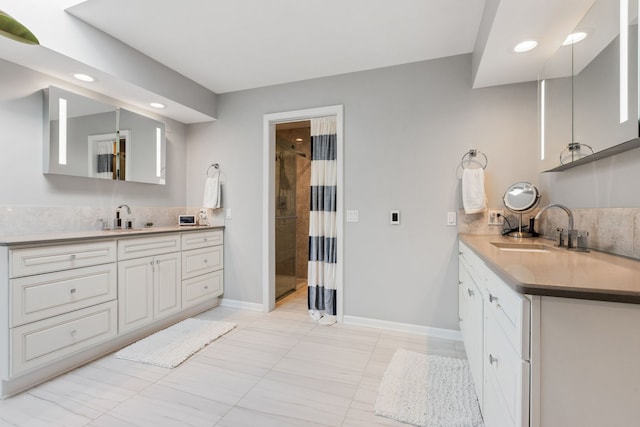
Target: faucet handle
(560, 237)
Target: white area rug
(429, 391)
(170, 347)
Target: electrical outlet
(496, 217)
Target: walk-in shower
(292, 206)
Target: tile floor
(274, 369)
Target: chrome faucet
(117, 223)
(570, 231)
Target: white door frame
(268, 198)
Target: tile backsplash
(16, 220)
(612, 230)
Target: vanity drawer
(148, 246)
(39, 343)
(506, 376)
(47, 259)
(201, 261)
(473, 263)
(202, 288)
(511, 311)
(46, 295)
(201, 239)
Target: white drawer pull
(492, 359)
(470, 292)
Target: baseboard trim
(429, 331)
(226, 302)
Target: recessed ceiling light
(574, 38)
(299, 139)
(84, 77)
(525, 46)
(156, 105)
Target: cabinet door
(472, 327)
(135, 293)
(167, 294)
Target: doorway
(270, 121)
(292, 182)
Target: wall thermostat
(394, 217)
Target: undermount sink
(522, 247)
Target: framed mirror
(589, 89)
(87, 138)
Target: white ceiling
(230, 45)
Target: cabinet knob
(206, 260)
(151, 262)
(492, 298)
(73, 333)
(73, 290)
(206, 287)
(157, 261)
(470, 292)
(205, 239)
(492, 359)
(73, 256)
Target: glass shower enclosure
(285, 233)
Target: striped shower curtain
(322, 221)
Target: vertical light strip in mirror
(62, 131)
(159, 152)
(542, 112)
(624, 60)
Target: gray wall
(23, 183)
(406, 129)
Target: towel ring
(573, 147)
(472, 154)
(216, 166)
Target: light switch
(228, 214)
(451, 218)
(352, 216)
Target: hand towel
(474, 198)
(212, 192)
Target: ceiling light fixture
(574, 38)
(84, 77)
(525, 46)
(14, 30)
(156, 105)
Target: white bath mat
(430, 391)
(170, 347)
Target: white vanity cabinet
(149, 280)
(496, 341)
(68, 300)
(202, 266)
(62, 299)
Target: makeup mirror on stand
(519, 198)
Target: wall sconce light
(14, 30)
